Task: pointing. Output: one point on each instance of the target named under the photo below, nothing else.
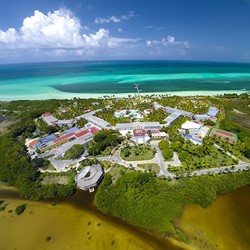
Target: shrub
(20, 209)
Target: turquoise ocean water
(92, 79)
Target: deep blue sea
(89, 79)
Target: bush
(20, 209)
(74, 152)
(167, 154)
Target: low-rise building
(97, 121)
(140, 136)
(80, 136)
(210, 115)
(213, 111)
(201, 117)
(51, 120)
(175, 110)
(134, 125)
(172, 117)
(89, 177)
(193, 139)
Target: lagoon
(95, 79)
(74, 223)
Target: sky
(59, 30)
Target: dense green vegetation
(74, 152)
(137, 153)
(108, 115)
(16, 167)
(196, 105)
(151, 167)
(156, 116)
(194, 157)
(103, 140)
(152, 203)
(166, 150)
(235, 118)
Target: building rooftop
(66, 122)
(89, 177)
(97, 121)
(175, 110)
(139, 132)
(190, 125)
(134, 125)
(47, 139)
(202, 117)
(172, 117)
(213, 111)
(193, 139)
(74, 129)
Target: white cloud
(168, 42)
(168, 45)
(58, 32)
(120, 30)
(111, 19)
(115, 19)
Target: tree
(184, 156)
(167, 154)
(163, 144)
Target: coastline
(91, 227)
(64, 95)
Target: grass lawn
(118, 170)
(48, 167)
(55, 179)
(153, 167)
(137, 153)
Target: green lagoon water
(86, 79)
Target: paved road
(164, 164)
(61, 166)
(161, 161)
(239, 167)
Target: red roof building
(46, 114)
(139, 132)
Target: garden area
(74, 152)
(137, 153)
(151, 167)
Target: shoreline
(66, 95)
(119, 229)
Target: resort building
(171, 118)
(89, 177)
(171, 110)
(98, 122)
(79, 136)
(157, 105)
(139, 130)
(148, 111)
(52, 121)
(134, 125)
(192, 127)
(202, 117)
(211, 115)
(140, 136)
(223, 135)
(213, 111)
(94, 119)
(175, 110)
(194, 140)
